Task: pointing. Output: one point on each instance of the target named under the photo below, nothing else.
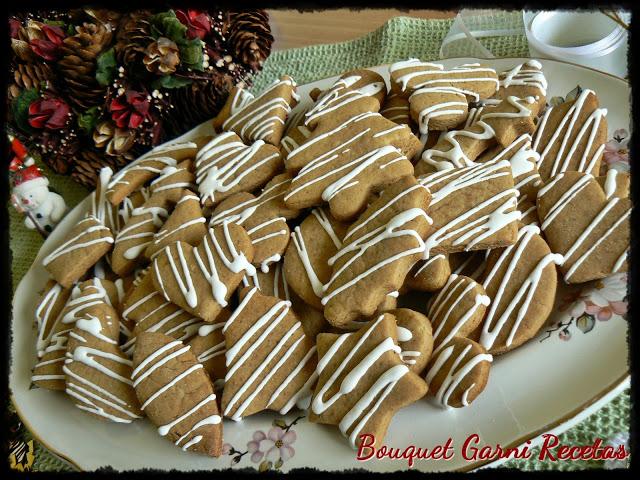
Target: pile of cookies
(267, 267)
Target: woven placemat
(398, 39)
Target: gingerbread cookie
(83, 246)
(396, 108)
(344, 164)
(169, 186)
(472, 208)
(185, 224)
(176, 394)
(150, 311)
(521, 281)
(226, 165)
(588, 229)
(137, 234)
(209, 348)
(457, 310)
(355, 92)
(615, 184)
(270, 361)
(264, 217)
(524, 169)
(458, 373)
(415, 338)
(201, 279)
(147, 167)
(474, 80)
(429, 275)
(354, 370)
(97, 373)
(262, 117)
(52, 300)
(500, 125)
(313, 242)
(571, 136)
(378, 251)
(524, 80)
(47, 373)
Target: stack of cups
(587, 38)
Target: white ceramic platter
(542, 386)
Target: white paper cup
(587, 38)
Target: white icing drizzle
(453, 294)
(258, 118)
(224, 162)
(455, 156)
(465, 229)
(182, 275)
(430, 74)
(359, 246)
(263, 327)
(520, 75)
(568, 124)
(493, 325)
(456, 373)
(76, 243)
(610, 183)
(456, 106)
(365, 407)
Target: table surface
(292, 28)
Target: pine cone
(31, 75)
(249, 37)
(58, 148)
(133, 37)
(196, 103)
(162, 56)
(78, 64)
(87, 165)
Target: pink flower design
(605, 313)
(616, 151)
(226, 448)
(274, 445)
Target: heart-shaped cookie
(201, 279)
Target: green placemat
(398, 39)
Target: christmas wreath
(90, 88)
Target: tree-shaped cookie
(97, 373)
(262, 117)
(176, 394)
(586, 225)
(82, 247)
(226, 165)
(270, 361)
(571, 136)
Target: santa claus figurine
(31, 195)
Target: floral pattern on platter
(616, 152)
(597, 301)
(271, 449)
